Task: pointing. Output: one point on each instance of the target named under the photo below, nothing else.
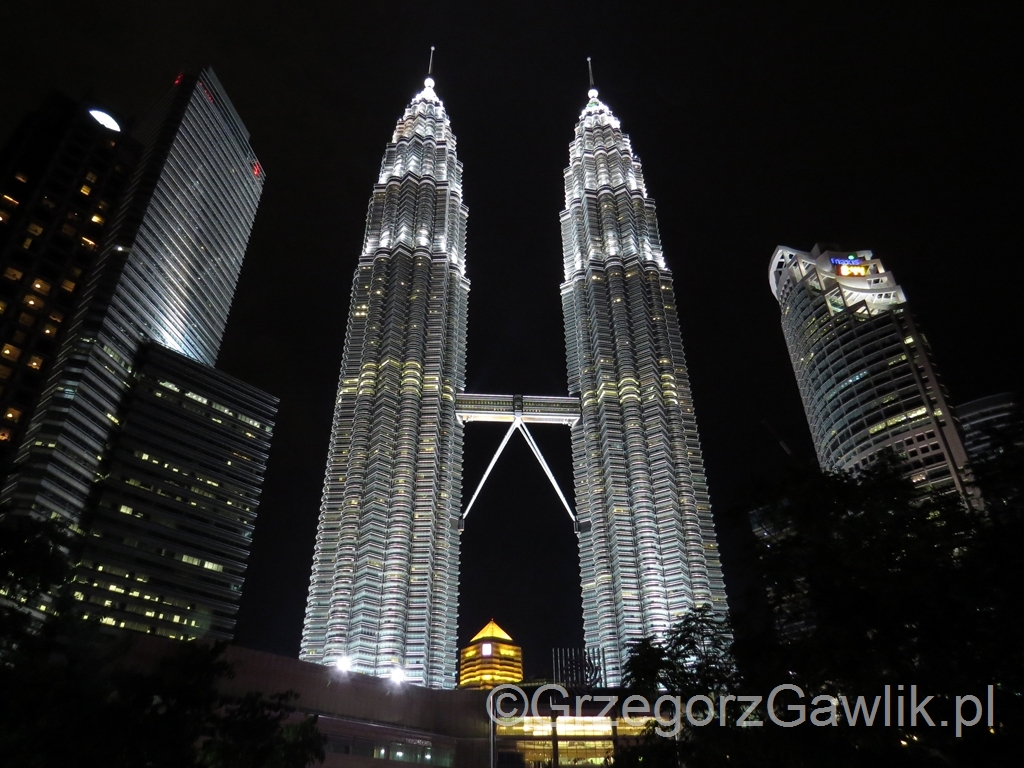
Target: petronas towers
(384, 591)
(383, 596)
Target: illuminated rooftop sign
(851, 266)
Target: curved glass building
(865, 371)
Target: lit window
(90, 177)
(10, 200)
(35, 362)
(485, 649)
(26, 243)
(86, 189)
(10, 352)
(97, 219)
(21, 177)
(89, 245)
(41, 285)
(13, 274)
(12, 414)
(34, 229)
(67, 285)
(31, 300)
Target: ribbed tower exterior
(383, 595)
(648, 552)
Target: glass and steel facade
(383, 595)
(172, 523)
(163, 278)
(166, 273)
(864, 369)
(648, 550)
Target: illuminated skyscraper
(865, 371)
(133, 411)
(648, 550)
(383, 595)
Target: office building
(989, 421)
(169, 532)
(864, 369)
(154, 309)
(383, 596)
(62, 174)
(383, 591)
(490, 659)
(648, 550)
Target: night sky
(896, 130)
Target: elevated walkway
(518, 411)
(532, 409)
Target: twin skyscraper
(383, 594)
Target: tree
(71, 698)
(33, 562)
(874, 584)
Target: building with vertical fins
(648, 550)
(138, 443)
(383, 595)
(865, 371)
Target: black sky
(896, 129)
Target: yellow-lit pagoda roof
(491, 632)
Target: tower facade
(62, 175)
(166, 273)
(648, 550)
(383, 594)
(864, 369)
(138, 443)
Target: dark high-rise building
(990, 422)
(157, 303)
(62, 174)
(865, 370)
(170, 531)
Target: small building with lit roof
(490, 659)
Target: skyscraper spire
(647, 541)
(383, 594)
